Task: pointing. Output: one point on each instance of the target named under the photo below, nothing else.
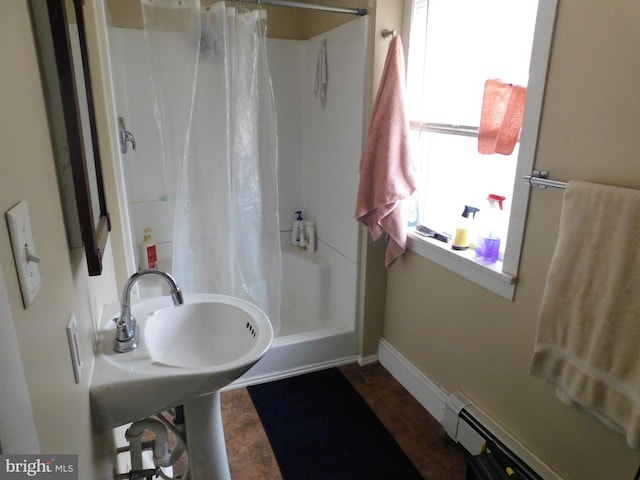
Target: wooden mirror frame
(95, 225)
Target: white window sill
(464, 264)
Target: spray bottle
(488, 243)
(461, 239)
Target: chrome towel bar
(539, 178)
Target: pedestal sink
(186, 354)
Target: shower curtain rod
(360, 12)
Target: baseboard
(430, 395)
(434, 399)
(368, 360)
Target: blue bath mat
(321, 429)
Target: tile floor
(421, 437)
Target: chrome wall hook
(386, 33)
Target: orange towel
(501, 117)
(387, 173)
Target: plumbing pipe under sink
(162, 456)
(134, 434)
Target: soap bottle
(412, 211)
(461, 239)
(148, 253)
(297, 230)
(488, 243)
(310, 236)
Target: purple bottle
(488, 243)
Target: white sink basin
(199, 335)
(183, 352)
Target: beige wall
(60, 407)
(388, 14)
(468, 339)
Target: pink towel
(501, 117)
(387, 173)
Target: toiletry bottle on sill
(488, 243)
(461, 240)
(148, 253)
(412, 211)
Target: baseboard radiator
(474, 430)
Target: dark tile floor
(421, 437)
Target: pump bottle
(461, 239)
(297, 230)
(488, 242)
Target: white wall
(319, 149)
(332, 136)
(285, 58)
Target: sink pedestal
(185, 355)
(205, 439)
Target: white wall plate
(24, 251)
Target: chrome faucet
(126, 329)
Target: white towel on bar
(588, 337)
(320, 89)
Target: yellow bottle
(461, 240)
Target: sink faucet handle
(125, 328)
(126, 334)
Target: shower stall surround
(319, 153)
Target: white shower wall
(319, 148)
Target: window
(454, 47)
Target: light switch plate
(24, 251)
(74, 347)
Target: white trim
(434, 399)
(462, 263)
(538, 66)
(429, 394)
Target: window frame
(501, 277)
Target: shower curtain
(215, 110)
